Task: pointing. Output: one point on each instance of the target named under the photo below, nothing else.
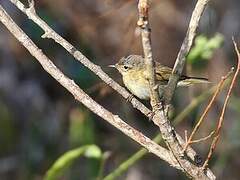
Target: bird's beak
(113, 66)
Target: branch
(167, 131)
(166, 128)
(220, 121)
(179, 118)
(185, 48)
(202, 139)
(50, 33)
(80, 95)
(196, 101)
(169, 135)
(200, 121)
(143, 23)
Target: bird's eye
(125, 67)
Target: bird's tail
(188, 81)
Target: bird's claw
(150, 115)
(129, 98)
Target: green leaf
(63, 163)
(93, 152)
(81, 128)
(204, 48)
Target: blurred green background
(40, 120)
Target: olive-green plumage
(132, 69)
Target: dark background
(40, 120)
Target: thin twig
(196, 101)
(185, 135)
(79, 94)
(185, 48)
(220, 121)
(201, 120)
(202, 139)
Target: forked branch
(221, 118)
(79, 94)
(207, 109)
(184, 50)
(172, 140)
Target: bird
(133, 68)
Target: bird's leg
(150, 115)
(158, 106)
(167, 110)
(161, 89)
(130, 97)
(165, 107)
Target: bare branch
(50, 33)
(180, 117)
(185, 135)
(80, 95)
(143, 23)
(160, 117)
(220, 121)
(166, 127)
(202, 139)
(167, 131)
(185, 48)
(200, 121)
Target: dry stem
(185, 48)
(160, 117)
(220, 121)
(201, 120)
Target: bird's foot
(150, 115)
(130, 97)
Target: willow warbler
(132, 70)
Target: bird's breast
(137, 86)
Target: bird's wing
(162, 73)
